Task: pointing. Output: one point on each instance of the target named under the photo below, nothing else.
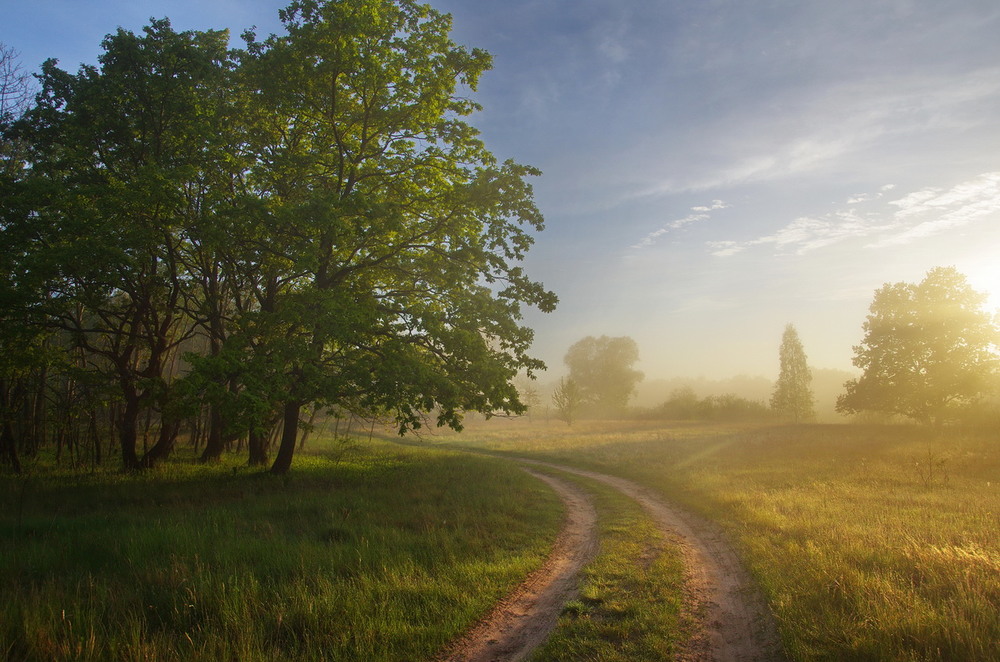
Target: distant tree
(602, 369)
(682, 405)
(567, 399)
(929, 349)
(793, 397)
(731, 407)
(529, 395)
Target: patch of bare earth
(724, 612)
(525, 618)
(728, 617)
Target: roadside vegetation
(870, 542)
(379, 553)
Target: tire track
(524, 619)
(731, 621)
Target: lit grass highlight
(870, 542)
(387, 554)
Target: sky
(712, 169)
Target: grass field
(384, 554)
(871, 543)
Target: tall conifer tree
(793, 397)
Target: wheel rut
(727, 617)
(524, 619)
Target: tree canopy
(929, 349)
(307, 220)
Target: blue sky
(713, 170)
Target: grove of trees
(218, 240)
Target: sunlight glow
(985, 277)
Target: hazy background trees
(928, 353)
(567, 398)
(792, 397)
(602, 369)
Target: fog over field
(712, 171)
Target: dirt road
(732, 622)
(522, 621)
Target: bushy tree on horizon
(567, 399)
(792, 397)
(929, 350)
(602, 367)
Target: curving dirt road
(731, 622)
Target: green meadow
(870, 542)
(383, 553)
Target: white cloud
(716, 204)
(613, 49)
(933, 211)
(867, 197)
(725, 248)
(701, 213)
(917, 215)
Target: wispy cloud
(867, 197)
(824, 129)
(914, 216)
(701, 213)
(807, 234)
(932, 211)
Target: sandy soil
(523, 620)
(729, 620)
(732, 623)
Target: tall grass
(871, 543)
(385, 554)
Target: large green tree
(603, 370)
(18, 337)
(792, 396)
(929, 349)
(312, 219)
(123, 153)
(395, 234)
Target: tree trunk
(8, 447)
(128, 431)
(257, 443)
(215, 442)
(95, 438)
(309, 427)
(289, 433)
(164, 444)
